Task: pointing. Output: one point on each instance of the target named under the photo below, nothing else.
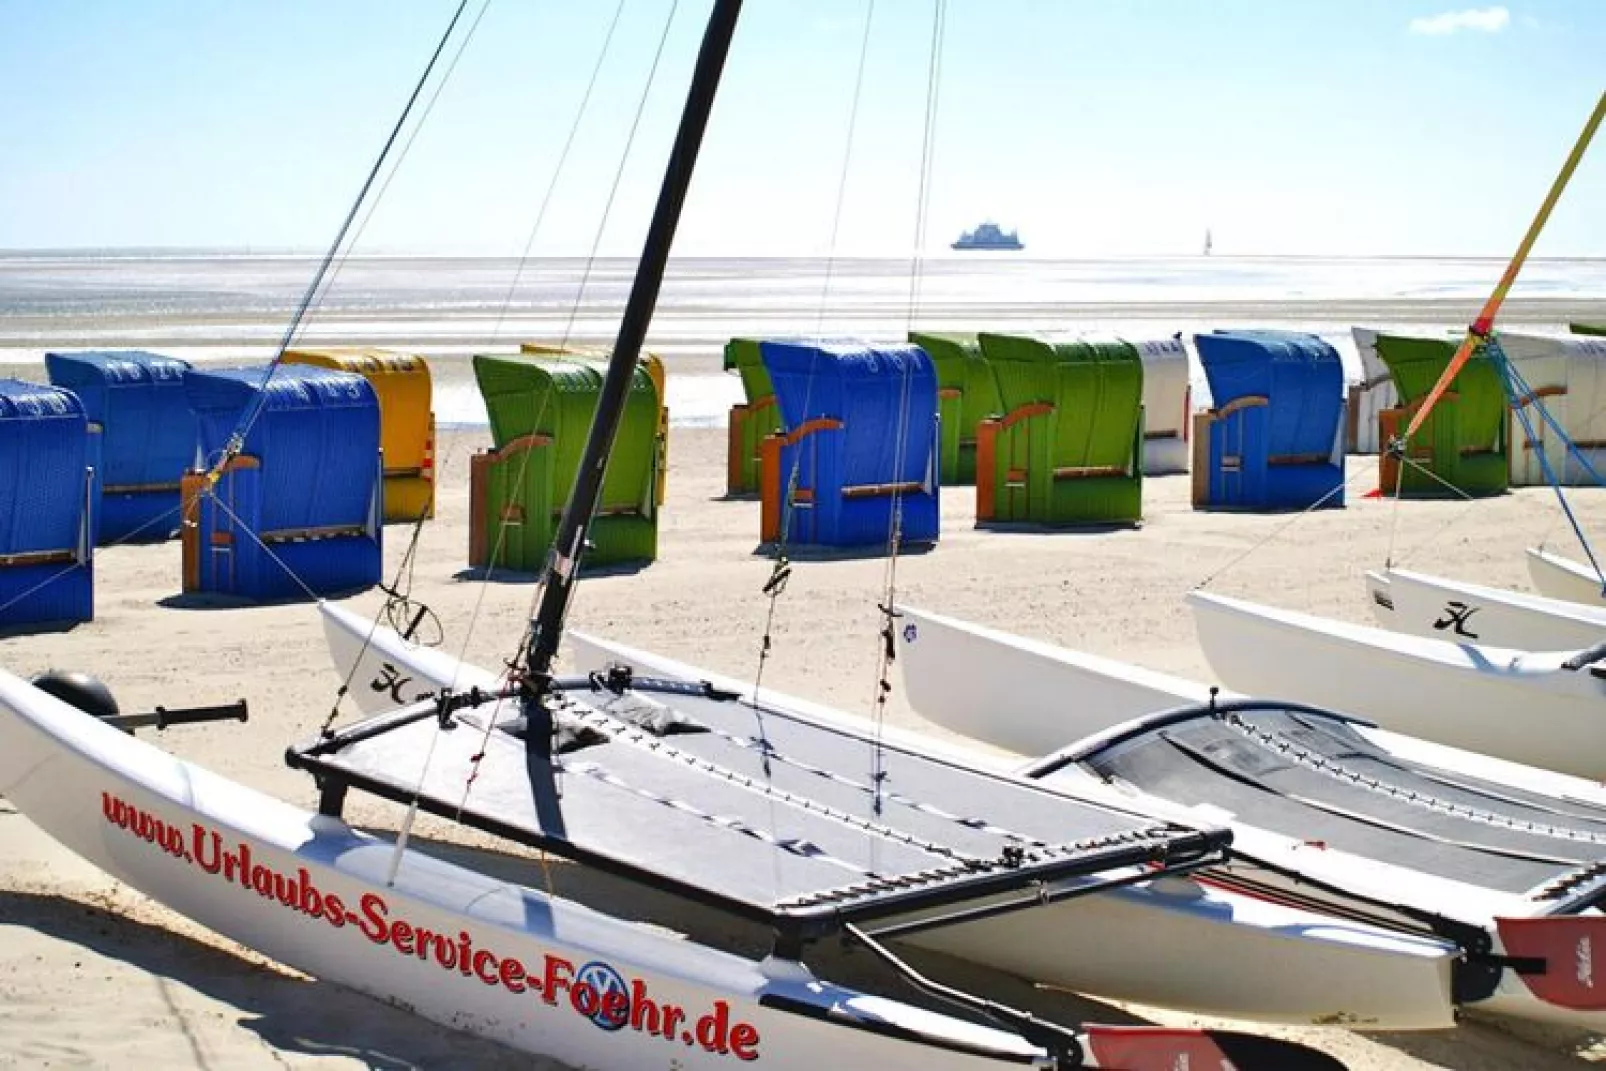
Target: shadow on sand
(290, 1014)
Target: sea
(236, 307)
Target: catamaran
(641, 778)
(1327, 811)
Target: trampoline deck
(769, 815)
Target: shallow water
(235, 307)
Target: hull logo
(1456, 616)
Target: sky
(1095, 127)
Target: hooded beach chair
(967, 394)
(751, 421)
(656, 371)
(1373, 394)
(297, 513)
(540, 408)
(48, 456)
(1167, 405)
(1273, 438)
(147, 437)
(1068, 448)
(1567, 374)
(859, 440)
(402, 384)
(1461, 448)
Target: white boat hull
(473, 953)
(1038, 699)
(1438, 608)
(1511, 704)
(1562, 578)
(1307, 967)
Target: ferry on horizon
(988, 236)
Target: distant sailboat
(1207, 242)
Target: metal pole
(568, 547)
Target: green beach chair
(540, 410)
(1068, 448)
(1462, 445)
(967, 394)
(751, 421)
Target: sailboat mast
(568, 547)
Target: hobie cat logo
(391, 682)
(1456, 616)
(1585, 962)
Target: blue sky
(1096, 127)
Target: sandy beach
(94, 975)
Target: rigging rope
(1518, 390)
(512, 673)
(781, 569)
(1484, 324)
(236, 442)
(618, 175)
(500, 538)
(888, 649)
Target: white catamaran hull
(1562, 578)
(1037, 699)
(1443, 609)
(1511, 704)
(476, 954)
(1161, 943)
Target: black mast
(568, 547)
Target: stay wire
(558, 168)
(928, 152)
(781, 571)
(1277, 532)
(501, 526)
(378, 198)
(1518, 390)
(563, 355)
(887, 649)
(236, 442)
(596, 240)
(618, 175)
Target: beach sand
(94, 975)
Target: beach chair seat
(1567, 374)
(297, 514)
(1461, 449)
(967, 394)
(1374, 393)
(1068, 448)
(1167, 405)
(147, 434)
(541, 408)
(403, 386)
(859, 444)
(48, 455)
(752, 421)
(1274, 437)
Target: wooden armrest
(1534, 395)
(877, 490)
(38, 557)
(1071, 472)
